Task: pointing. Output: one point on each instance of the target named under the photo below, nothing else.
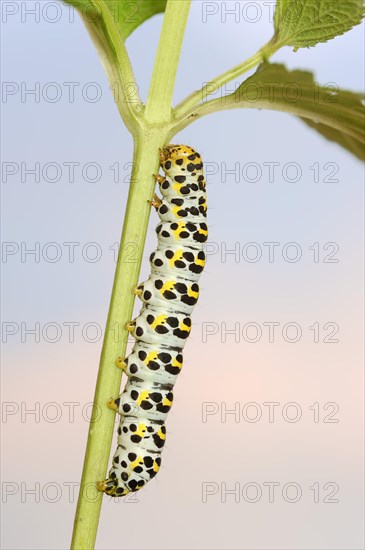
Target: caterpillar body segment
(189, 210)
(147, 362)
(187, 232)
(160, 292)
(154, 326)
(164, 322)
(185, 261)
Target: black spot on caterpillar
(164, 323)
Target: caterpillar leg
(110, 487)
(159, 179)
(107, 486)
(113, 404)
(138, 290)
(120, 363)
(156, 201)
(130, 326)
(163, 155)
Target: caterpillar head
(179, 156)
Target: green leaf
(347, 142)
(337, 114)
(126, 14)
(304, 23)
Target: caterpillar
(164, 323)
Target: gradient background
(45, 451)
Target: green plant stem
(150, 132)
(158, 107)
(145, 163)
(120, 49)
(115, 59)
(299, 109)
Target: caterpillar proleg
(164, 323)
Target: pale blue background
(170, 512)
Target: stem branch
(115, 60)
(213, 86)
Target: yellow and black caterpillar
(164, 323)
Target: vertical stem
(145, 162)
(151, 133)
(158, 106)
